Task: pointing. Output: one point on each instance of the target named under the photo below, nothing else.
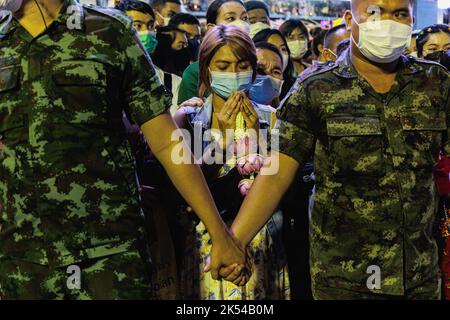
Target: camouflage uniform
(375, 199)
(67, 181)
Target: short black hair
(290, 25)
(342, 46)
(317, 41)
(158, 4)
(135, 5)
(424, 35)
(330, 35)
(314, 32)
(214, 7)
(181, 18)
(255, 4)
(270, 47)
(264, 35)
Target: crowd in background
(192, 60)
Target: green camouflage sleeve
(446, 90)
(145, 96)
(295, 123)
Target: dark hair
(255, 4)
(158, 4)
(181, 18)
(329, 35)
(424, 35)
(214, 7)
(135, 5)
(288, 74)
(314, 32)
(166, 58)
(445, 59)
(270, 47)
(217, 37)
(318, 40)
(342, 46)
(264, 35)
(290, 25)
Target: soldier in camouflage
(374, 130)
(67, 180)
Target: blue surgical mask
(265, 89)
(226, 83)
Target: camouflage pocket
(356, 145)
(9, 77)
(82, 86)
(423, 133)
(80, 73)
(417, 120)
(13, 115)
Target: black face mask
(181, 59)
(435, 56)
(168, 59)
(194, 47)
(442, 57)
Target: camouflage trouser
(431, 290)
(120, 276)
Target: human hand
(249, 113)
(226, 118)
(193, 102)
(228, 260)
(250, 164)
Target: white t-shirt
(176, 80)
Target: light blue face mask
(226, 83)
(265, 89)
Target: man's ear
(348, 17)
(328, 56)
(209, 26)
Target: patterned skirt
(269, 280)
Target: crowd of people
(356, 118)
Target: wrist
(240, 238)
(219, 232)
(220, 236)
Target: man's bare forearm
(263, 198)
(187, 178)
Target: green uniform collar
(407, 67)
(345, 68)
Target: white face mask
(166, 20)
(285, 61)
(298, 48)
(241, 24)
(10, 5)
(383, 41)
(257, 27)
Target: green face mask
(149, 41)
